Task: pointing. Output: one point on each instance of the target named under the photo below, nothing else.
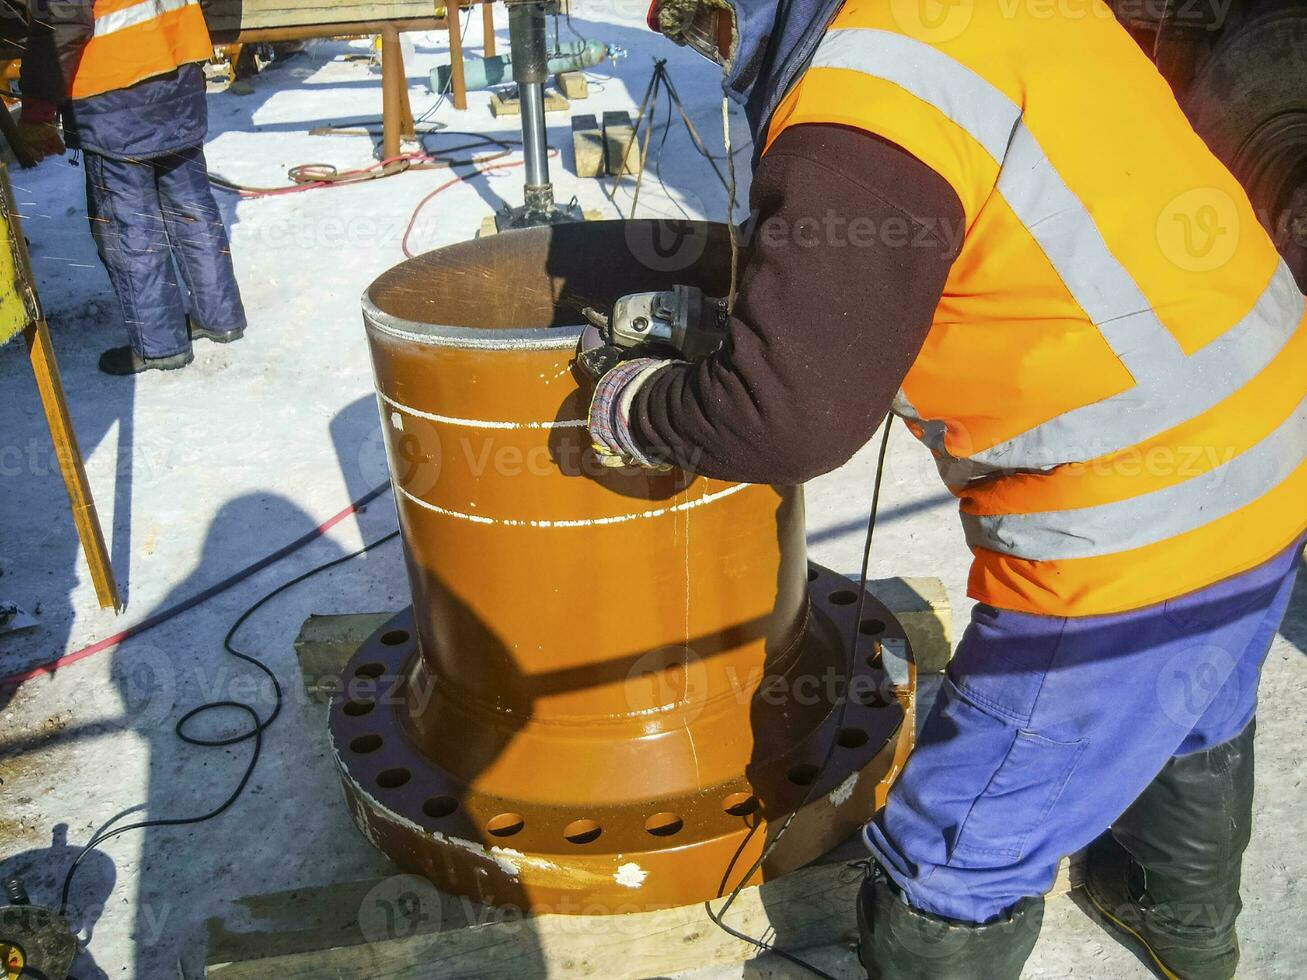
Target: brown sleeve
(845, 263)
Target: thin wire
(842, 710)
(730, 203)
(255, 732)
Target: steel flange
(578, 858)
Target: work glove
(609, 377)
(37, 131)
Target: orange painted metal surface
(612, 683)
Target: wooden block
(488, 227)
(572, 84)
(922, 606)
(1070, 874)
(504, 102)
(325, 644)
(619, 132)
(588, 146)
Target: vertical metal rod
(534, 143)
(526, 34)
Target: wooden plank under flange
(325, 644)
(315, 934)
(921, 605)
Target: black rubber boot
(899, 942)
(1167, 873)
(122, 361)
(199, 332)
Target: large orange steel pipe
(612, 684)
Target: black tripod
(661, 81)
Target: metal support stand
(530, 58)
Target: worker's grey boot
(122, 361)
(1167, 873)
(899, 942)
(200, 332)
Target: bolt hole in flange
(813, 574)
(439, 806)
(843, 597)
(393, 638)
(370, 671)
(582, 831)
(740, 804)
(871, 627)
(393, 778)
(505, 824)
(802, 774)
(664, 824)
(365, 744)
(852, 738)
(357, 709)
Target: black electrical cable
(842, 709)
(255, 732)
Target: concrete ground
(199, 472)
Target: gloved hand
(37, 131)
(610, 376)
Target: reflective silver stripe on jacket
(1087, 532)
(1169, 388)
(137, 13)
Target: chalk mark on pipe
(481, 423)
(584, 522)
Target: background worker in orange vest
(127, 77)
(949, 219)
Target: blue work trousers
(152, 218)
(1047, 729)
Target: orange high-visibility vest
(138, 39)
(1115, 382)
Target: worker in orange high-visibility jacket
(996, 221)
(127, 78)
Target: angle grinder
(680, 322)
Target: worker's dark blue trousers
(152, 218)
(1046, 729)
